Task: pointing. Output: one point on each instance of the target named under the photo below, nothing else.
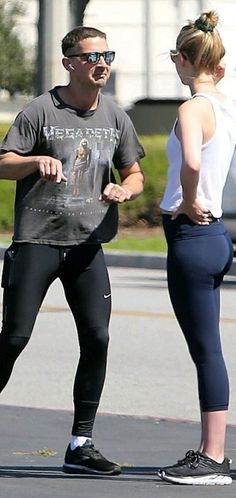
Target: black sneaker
(86, 459)
(197, 468)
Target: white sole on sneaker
(211, 480)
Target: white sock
(78, 441)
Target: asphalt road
(149, 410)
(149, 369)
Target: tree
(78, 10)
(17, 70)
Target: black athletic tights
(29, 270)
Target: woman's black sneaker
(86, 459)
(197, 469)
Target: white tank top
(215, 160)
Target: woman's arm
(191, 135)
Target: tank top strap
(207, 96)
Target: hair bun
(203, 25)
(207, 21)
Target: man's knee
(101, 338)
(96, 340)
(12, 346)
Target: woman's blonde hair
(199, 41)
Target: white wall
(124, 23)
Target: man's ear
(67, 64)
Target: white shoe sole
(211, 480)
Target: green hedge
(144, 209)
(7, 192)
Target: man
(58, 234)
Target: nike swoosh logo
(106, 296)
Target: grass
(7, 192)
(3, 130)
(148, 240)
(5, 238)
(149, 244)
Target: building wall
(141, 32)
(125, 22)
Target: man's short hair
(78, 34)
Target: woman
(200, 149)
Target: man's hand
(50, 169)
(116, 193)
(196, 212)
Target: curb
(153, 261)
(126, 259)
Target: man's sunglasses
(94, 57)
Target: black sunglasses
(94, 57)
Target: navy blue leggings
(28, 271)
(198, 258)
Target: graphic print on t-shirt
(80, 165)
(86, 155)
(75, 206)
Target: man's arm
(132, 181)
(16, 167)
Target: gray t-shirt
(87, 143)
